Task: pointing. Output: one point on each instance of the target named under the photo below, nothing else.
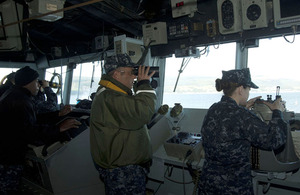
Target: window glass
(196, 84)
(5, 71)
(50, 72)
(86, 77)
(275, 63)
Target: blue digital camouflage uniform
(228, 132)
(45, 104)
(10, 178)
(127, 180)
(120, 141)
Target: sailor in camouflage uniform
(46, 100)
(228, 132)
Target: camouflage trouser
(127, 180)
(10, 177)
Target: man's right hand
(143, 73)
(69, 124)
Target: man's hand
(45, 83)
(65, 110)
(143, 73)
(68, 124)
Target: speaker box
(254, 14)
(229, 16)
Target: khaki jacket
(118, 131)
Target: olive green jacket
(118, 132)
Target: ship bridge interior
(69, 28)
(65, 34)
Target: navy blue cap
(241, 77)
(25, 75)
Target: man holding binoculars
(46, 99)
(120, 142)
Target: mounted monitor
(10, 35)
(286, 13)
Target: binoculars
(152, 68)
(51, 84)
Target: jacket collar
(228, 100)
(23, 89)
(108, 82)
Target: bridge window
(86, 77)
(4, 72)
(276, 63)
(196, 84)
(62, 72)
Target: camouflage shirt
(45, 104)
(228, 132)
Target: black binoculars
(51, 84)
(40, 82)
(152, 68)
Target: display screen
(286, 13)
(289, 8)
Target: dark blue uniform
(20, 126)
(126, 180)
(228, 132)
(44, 105)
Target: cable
(183, 179)
(188, 153)
(294, 28)
(178, 182)
(157, 189)
(195, 174)
(203, 51)
(196, 182)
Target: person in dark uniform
(46, 100)
(228, 132)
(20, 126)
(10, 81)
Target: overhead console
(236, 16)
(224, 21)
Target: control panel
(179, 145)
(178, 30)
